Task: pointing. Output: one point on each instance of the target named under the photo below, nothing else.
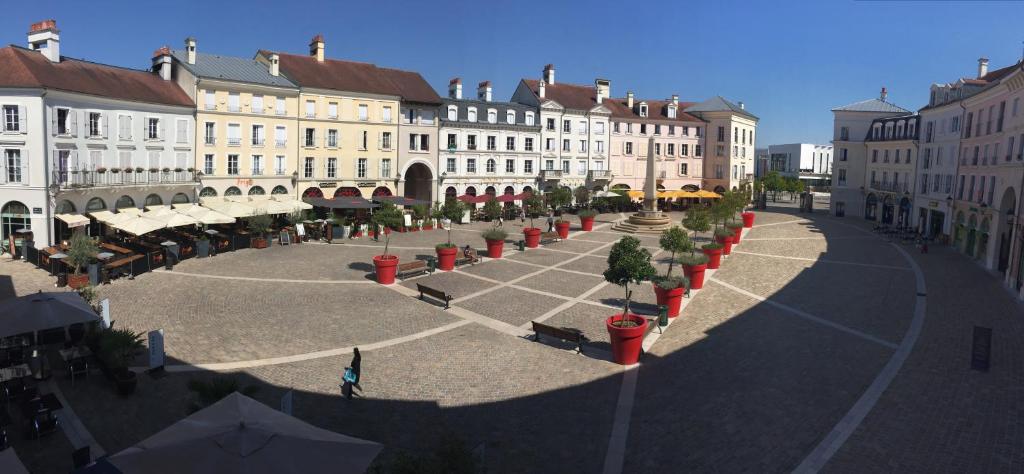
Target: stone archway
(418, 178)
(719, 189)
(312, 192)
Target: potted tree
(492, 210)
(628, 263)
(746, 191)
(720, 211)
(697, 220)
(117, 350)
(668, 288)
(452, 211)
(587, 219)
(694, 265)
(259, 225)
(713, 251)
(724, 237)
(81, 251)
(422, 213)
(385, 264)
(558, 199)
(534, 208)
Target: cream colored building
(729, 157)
(246, 123)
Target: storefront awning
(400, 200)
(73, 220)
(341, 203)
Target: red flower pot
(414, 229)
(532, 235)
(671, 298)
(385, 266)
(726, 244)
(563, 229)
(714, 257)
(737, 234)
(696, 275)
(748, 219)
(446, 258)
(494, 248)
(428, 227)
(587, 223)
(78, 281)
(626, 341)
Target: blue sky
(790, 62)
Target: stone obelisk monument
(650, 219)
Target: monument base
(645, 222)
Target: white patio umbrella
(139, 225)
(240, 435)
(209, 217)
(129, 210)
(298, 205)
(235, 209)
(605, 194)
(270, 206)
(176, 219)
(158, 211)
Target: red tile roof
(353, 76)
(656, 110)
(26, 68)
(570, 96)
(412, 87)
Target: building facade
(808, 162)
(891, 153)
(488, 147)
(80, 137)
(247, 122)
(417, 173)
(678, 143)
(575, 132)
(939, 143)
(729, 159)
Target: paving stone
(561, 283)
(527, 306)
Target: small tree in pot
(422, 214)
(81, 251)
(534, 207)
(117, 350)
(724, 237)
(452, 211)
(582, 195)
(259, 225)
(628, 263)
(492, 210)
(387, 216)
(668, 288)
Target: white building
(575, 131)
(806, 161)
(729, 157)
(80, 136)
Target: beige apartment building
(729, 158)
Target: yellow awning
(686, 194)
(635, 194)
(703, 193)
(73, 220)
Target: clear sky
(790, 62)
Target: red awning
(474, 199)
(522, 196)
(506, 198)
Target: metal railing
(551, 174)
(71, 179)
(600, 174)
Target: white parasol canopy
(139, 225)
(129, 210)
(42, 311)
(175, 219)
(209, 216)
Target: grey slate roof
(230, 68)
(718, 104)
(481, 113)
(871, 105)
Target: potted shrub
(154, 170)
(422, 213)
(713, 251)
(81, 251)
(737, 231)
(628, 263)
(101, 170)
(117, 350)
(694, 265)
(582, 195)
(495, 238)
(492, 210)
(259, 225)
(385, 264)
(115, 170)
(587, 219)
(452, 211)
(668, 288)
(534, 208)
(724, 236)
(562, 227)
(138, 169)
(129, 170)
(748, 219)
(202, 245)
(167, 170)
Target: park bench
(574, 336)
(550, 238)
(426, 290)
(416, 267)
(468, 257)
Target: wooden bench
(550, 238)
(435, 293)
(571, 335)
(470, 259)
(416, 267)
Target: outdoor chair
(44, 423)
(15, 389)
(78, 368)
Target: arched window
(490, 191)
(347, 192)
(154, 200)
(64, 207)
(453, 113)
(381, 191)
(279, 190)
(13, 216)
(257, 191)
(312, 193)
(470, 191)
(491, 165)
(207, 192)
(510, 117)
(180, 198)
(492, 116)
(529, 118)
(450, 193)
(527, 189)
(509, 190)
(123, 202)
(95, 204)
(471, 114)
(233, 191)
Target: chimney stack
(455, 88)
(540, 89)
(316, 48)
(162, 62)
(742, 107)
(45, 38)
(982, 67)
(549, 74)
(190, 50)
(602, 89)
(884, 94)
(629, 99)
(483, 91)
(675, 99)
(275, 64)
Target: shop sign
(328, 185)
(366, 184)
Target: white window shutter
(73, 122)
(22, 121)
(160, 134)
(24, 166)
(53, 121)
(73, 160)
(380, 140)
(103, 125)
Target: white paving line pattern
(824, 260)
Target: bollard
(431, 264)
(662, 315)
(521, 245)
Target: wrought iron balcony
(551, 174)
(74, 179)
(599, 175)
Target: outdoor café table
(104, 255)
(14, 372)
(13, 342)
(115, 248)
(42, 403)
(73, 353)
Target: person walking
(501, 219)
(350, 378)
(551, 221)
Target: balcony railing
(600, 175)
(210, 140)
(551, 174)
(889, 187)
(72, 179)
(234, 141)
(281, 143)
(258, 142)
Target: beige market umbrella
(298, 205)
(232, 208)
(270, 206)
(139, 225)
(102, 216)
(240, 435)
(129, 210)
(73, 220)
(209, 217)
(176, 219)
(159, 211)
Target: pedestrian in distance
(551, 222)
(350, 378)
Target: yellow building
(247, 127)
(348, 121)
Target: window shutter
(53, 121)
(73, 122)
(160, 129)
(24, 166)
(73, 160)
(380, 140)
(22, 121)
(103, 125)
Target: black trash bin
(171, 254)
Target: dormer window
(510, 117)
(529, 118)
(643, 109)
(471, 114)
(671, 111)
(492, 116)
(453, 113)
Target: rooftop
(230, 68)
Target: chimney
(549, 74)
(675, 99)
(982, 67)
(603, 89)
(483, 91)
(742, 107)
(540, 89)
(629, 99)
(162, 62)
(275, 64)
(455, 88)
(45, 38)
(190, 50)
(883, 95)
(316, 47)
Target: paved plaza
(818, 345)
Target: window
(307, 167)
(599, 146)
(233, 102)
(364, 112)
(310, 109)
(719, 150)
(424, 142)
(95, 124)
(257, 165)
(492, 116)
(332, 138)
(565, 166)
(528, 166)
(453, 141)
(842, 177)
(721, 134)
(643, 110)
(180, 130)
(529, 119)
(279, 165)
(657, 149)
(991, 189)
(960, 188)
(551, 124)
(643, 129)
(361, 168)
(385, 168)
(363, 143)
(581, 167)
(684, 149)
(936, 182)
(258, 136)
(152, 128)
(470, 165)
(583, 127)
(629, 148)
(471, 142)
(453, 113)
(208, 164)
(385, 140)
(279, 107)
(410, 116)
(385, 115)
(491, 165)
(451, 165)
(332, 110)
(583, 146)
(332, 167)
(12, 160)
(616, 127)
(209, 100)
(471, 114)
(924, 183)
(657, 129)
(510, 143)
(528, 144)
(874, 156)
(718, 172)
(549, 144)
(683, 169)
(232, 164)
(510, 117)
(492, 143)
(280, 136)
(566, 126)
(671, 149)
(510, 166)
(842, 154)
(735, 172)
(234, 134)
(549, 164)
(310, 136)
(566, 146)
(696, 150)
(257, 104)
